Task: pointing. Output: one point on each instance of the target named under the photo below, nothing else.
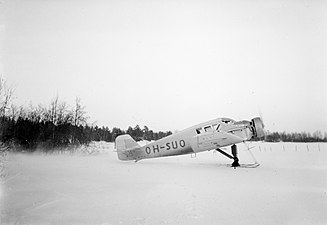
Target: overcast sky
(171, 64)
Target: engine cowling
(258, 127)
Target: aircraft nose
(258, 127)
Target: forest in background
(59, 125)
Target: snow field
(92, 186)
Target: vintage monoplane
(213, 134)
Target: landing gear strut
(234, 153)
(234, 157)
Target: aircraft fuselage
(202, 137)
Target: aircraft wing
(208, 141)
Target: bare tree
(14, 112)
(53, 110)
(80, 117)
(6, 94)
(64, 116)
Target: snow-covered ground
(94, 187)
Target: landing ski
(242, 165)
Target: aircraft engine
(258, 127)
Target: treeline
(138, 134)
(50, 126)
(59, 125)
(55, 126)
(296, 137)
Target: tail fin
(125, 143)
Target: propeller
(261, 116)
(258, 126)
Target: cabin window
(208, 129)
(215, 126)
(199, 130)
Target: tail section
(126, 146)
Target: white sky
(171, 64)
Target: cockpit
(208, 128)
(215, 126)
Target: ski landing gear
(234, 153)
(234, 157)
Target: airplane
(210, 135)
